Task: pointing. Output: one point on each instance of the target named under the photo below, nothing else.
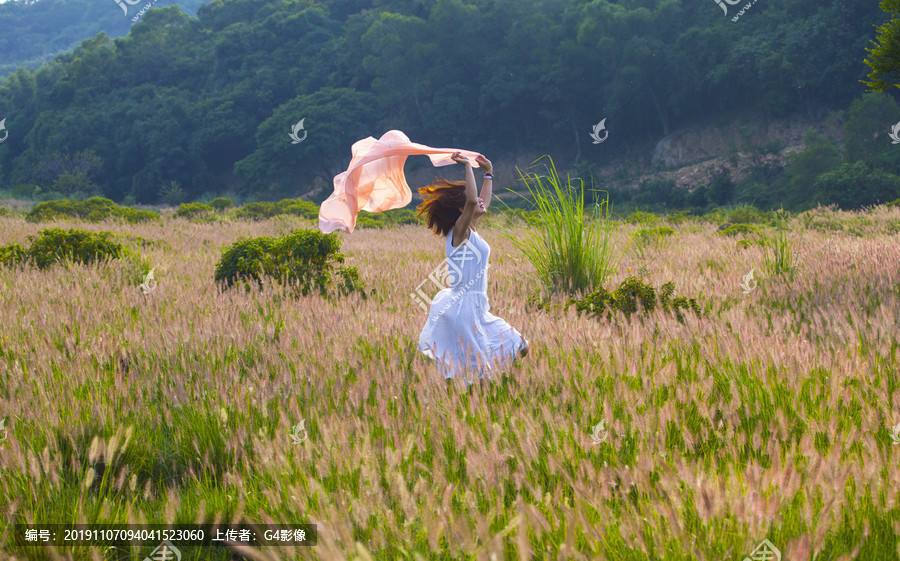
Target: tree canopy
(207, 102)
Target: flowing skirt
(463, 337)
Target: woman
(461, 334)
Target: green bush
(386, 219)
(56, 245)
(748, 214)
(634, 295)
(642, 217)
(12, 255)
(306, 260)
(94, 209)
(221, 203)
(733, 230)
(262, 210)
(853, 186)
(194, 211)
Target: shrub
(641, 217)
(634, 295)
(94, 209)
(306, 260)
(571, 250)
(262, 210)
(748, 214)
(194, 211)
(221, 203)
(259, 210)
(853, 186)
(740, 230)
(12, 255)
(56, 245)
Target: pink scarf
(375, 182)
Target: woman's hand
(485, 164)
(458, 158)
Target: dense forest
(184, 107)
(34, 31)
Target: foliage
(38, 31)
(645, 238)
(194, 211)
(856, 185)
(634, 295)
(12, 255)
(94, 209)
(56, 245)
(740, 229)
(779, 256)
(570, 250)
(642, 217)
(389, 218)
(220, 204)
(884, 53)
(238, 79)
(263, 210)
(306, 260)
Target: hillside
(183, 107)
(34, 31)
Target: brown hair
(442, 204)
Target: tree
(884, 53)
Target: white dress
(461, 334)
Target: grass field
(769, 417)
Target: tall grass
(779, 257)
(570, 248)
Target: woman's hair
(442, 204)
